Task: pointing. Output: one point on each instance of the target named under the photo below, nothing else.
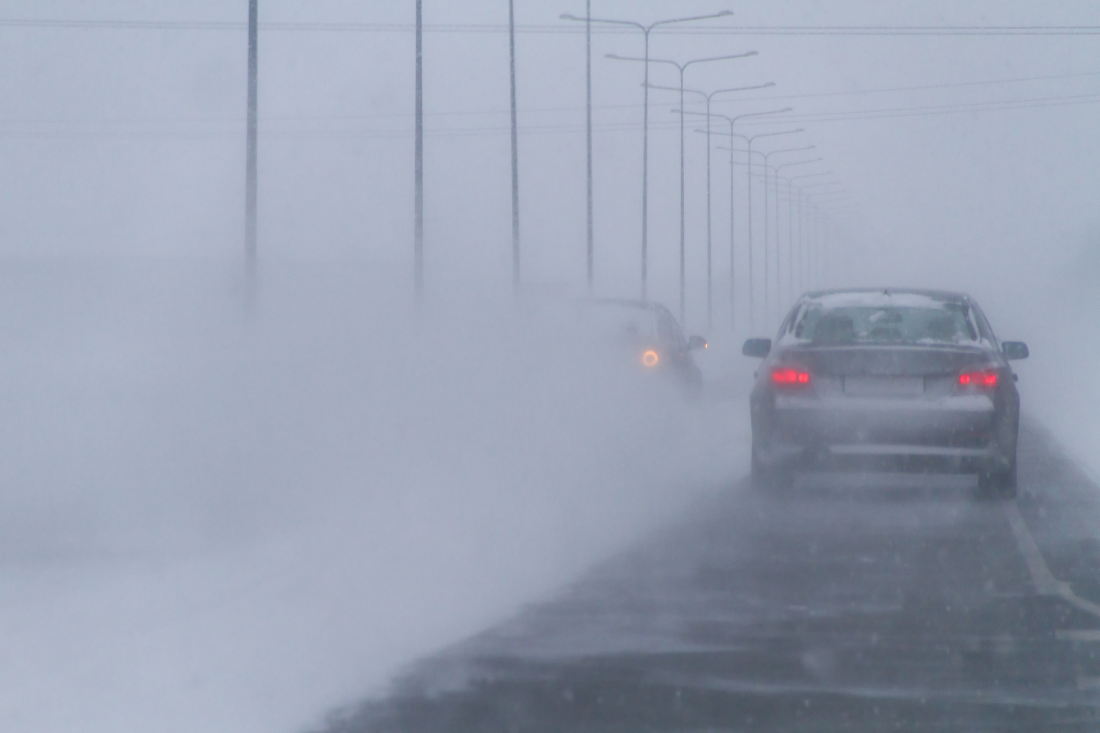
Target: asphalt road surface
(866, 603)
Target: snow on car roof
(883, 298)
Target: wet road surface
(864, 603)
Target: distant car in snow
(888, 380)
(647, 336)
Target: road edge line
(1041, 577)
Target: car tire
(998, 483)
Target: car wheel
(998, 483)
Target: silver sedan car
(886, 380)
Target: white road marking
(1079, 635)
(1044, 580)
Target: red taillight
(788, 377)
(987, 378)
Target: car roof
(942, 296)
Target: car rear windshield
(948, 323)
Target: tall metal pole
(752, 319)
(418, 172)
(588, 115)
(778, 228)
(778, 251)
(681, 69)
(804, 281)
(790, 241)
(733, 266)
(752, 296)
(767, 261)
(645, 29)
(683, 241)
(809, 251)
(250, 155)
(790, 238)
(732, 122)
(815, 258)
(515, 146)
(765, 240)
(645, 174)
(710, 278)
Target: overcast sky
(117, 140)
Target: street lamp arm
(740, 150)
(797, 162)
(773, 134)
(715, 92)
(811, 175)
(673, 89)
(719, 14)
(639, 26)
(743, 89)
(683, 66)
(721, 58)
(762, 114)
(617, 57)
(790, 150)
(646, 28)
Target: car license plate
(884, 386)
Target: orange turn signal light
(650, 358)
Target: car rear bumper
(945, 435)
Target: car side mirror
(1014, 349)
(696, 342)
(757, 347)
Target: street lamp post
(250, 197)
(709, 96)
(806, 243)
(732, 134)
(733, 166)
(824, 251)
(752, 319)
(733, 121)
(515, 146)
(646, 30)
(778, 232)
(681, 67)
(418, 162)
(590, 250)
(767, 157)
(733, 271)
(588, 135)
(830, 224)
(790, 227)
